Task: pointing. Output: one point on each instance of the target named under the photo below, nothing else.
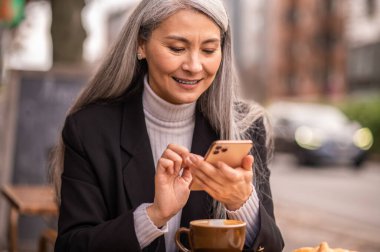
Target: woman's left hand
(230, 186)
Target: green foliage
(367, 112)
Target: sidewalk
(305, 227)
(336, 204)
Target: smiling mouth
(187, 82)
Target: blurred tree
(67, 31)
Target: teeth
(187, 82)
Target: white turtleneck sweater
(169, 123)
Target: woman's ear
(141, 49)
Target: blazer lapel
(199, 204)
(138, 165)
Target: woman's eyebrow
(185, 40)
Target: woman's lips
(186, 82)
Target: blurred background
(315, 64)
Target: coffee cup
(213, 235)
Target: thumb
(247, 162)
(186, 175)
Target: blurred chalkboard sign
(42, 101)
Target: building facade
(290, 48)
(363, 35)
(307, 56)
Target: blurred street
(339, 205)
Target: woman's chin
(184, 100)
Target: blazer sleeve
(269, 238)
(83, 223)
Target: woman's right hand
(171, 187)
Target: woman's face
(183, 55)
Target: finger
(247, 162)
(165, 166)
(204, 170)
(213, 192)
(179, 149)
(192, 160)
(175, 157)
(228, 174)
(207, 174)
(206, 183)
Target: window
(370, 7)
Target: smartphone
(230, 152)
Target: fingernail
(187, 160)
(193, 159)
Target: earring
(139, 56)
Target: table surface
(31, 199)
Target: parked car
(318, 133)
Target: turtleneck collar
(163, 110)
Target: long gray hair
(121, 67)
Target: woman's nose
(193, 63)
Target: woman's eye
(209, 51)
(176, 49)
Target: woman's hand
(171, 188)
(231, 186)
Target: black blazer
(109, 172)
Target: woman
(133, 142)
